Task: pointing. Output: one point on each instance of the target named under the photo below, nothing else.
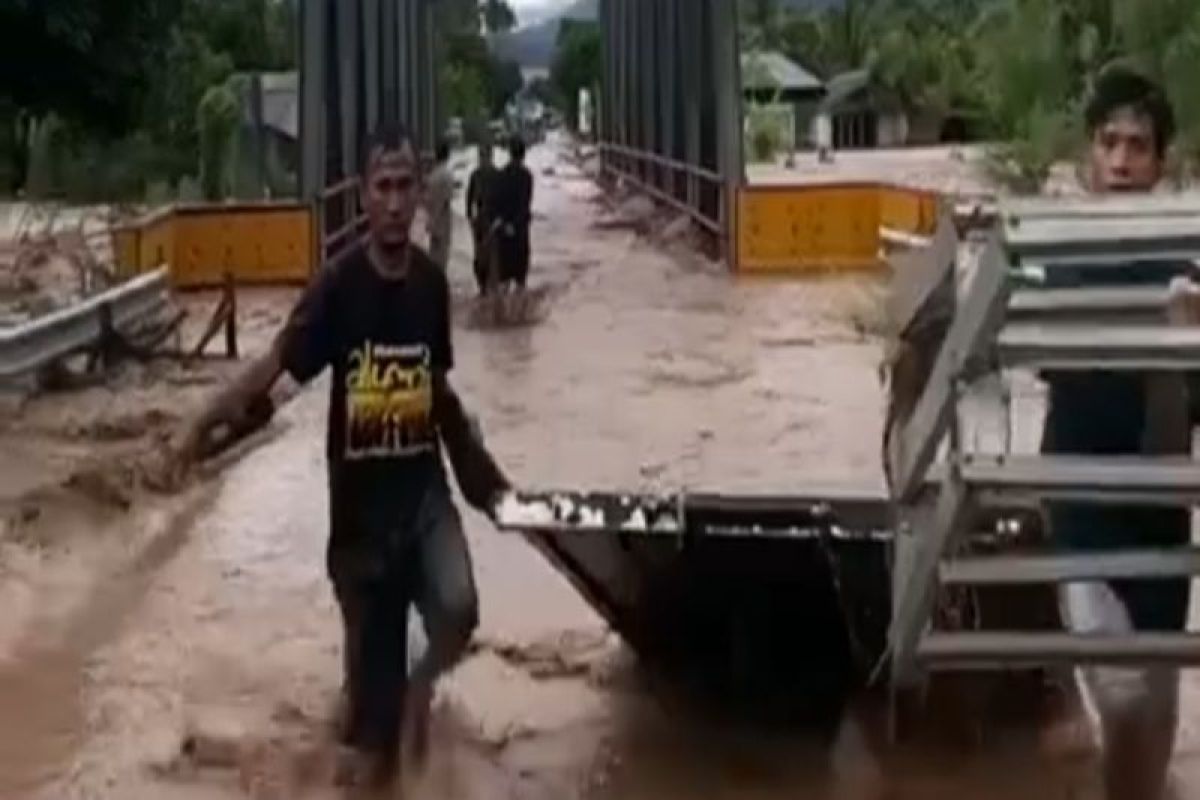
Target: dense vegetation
(124, 98)
(476, 84)
(102, 98)
(129, 99)
(1019, 68)
(577, 65)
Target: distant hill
(534, 45)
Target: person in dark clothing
(481, 214)
(379, 319)
(1130, 124)
(514, 213)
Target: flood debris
(589, 511)
(275, 760)
(567, 654)
(515, 309)
(634, 213)
(48, 261)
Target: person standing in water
(514, 214)
(1130, 125)
(481, 213)
(379, 319)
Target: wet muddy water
(651, 370)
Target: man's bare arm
(1183, 309)
(239, 405)
(479, 476)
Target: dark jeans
(484, 254)
(514, 256)
(434, 572)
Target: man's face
(391, 194)
(1123, 154)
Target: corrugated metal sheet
(773, 70)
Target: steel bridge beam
(671, 103)
(362, 62)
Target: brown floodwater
(651, 371)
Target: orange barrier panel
(824, 227)
(261, 243)
(904, 210)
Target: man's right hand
(216, 429)
(168, 470)
(183, 451)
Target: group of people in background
(499, 209)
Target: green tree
(1030, 90)
(506, 81)
(760, 24)
(258, 35)
(217, 119)
(577, 63)
(170, 116)
(498, 16)
(88, 62)
(465, 97)
(1038, 58)
(1162, 38)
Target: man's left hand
(1183, 301)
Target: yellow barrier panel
(257, 243)
(824, 227)
(908, 210)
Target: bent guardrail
(26, 348)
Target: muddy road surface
(194, 654)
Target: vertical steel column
(728, 86)
(312, 98)
(637, 105)
(633, 55)
(670, 89)
(348, 74)
(389, 65)
(647, 81)
(404, 63)
(371, 12)
(655, 54)
(624, 65)
(692, 53)
(605, 132)
(427, 76)
(258, 133)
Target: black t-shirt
(514, 195)
(481, 189)
(385, 340)
(1104, 413)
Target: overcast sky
(531, 11)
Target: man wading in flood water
(481, 188)
(380, 319)
(514, 214)
(1130, 125)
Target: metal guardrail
(339, 218)
(35, 344)
(613, 154)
